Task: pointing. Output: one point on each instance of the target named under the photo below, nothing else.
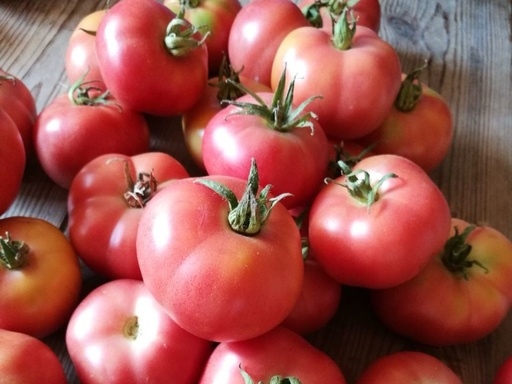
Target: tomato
(504, 373)
(40, 276)
(120, 334)
(12, 161)
(358, 76)
(380, 224)
(80, 56)
(147, 67)
(17, 101)
(419, 126)
(462, 294)
(78, 127)
(217, 278)
(367, 12)
(280, 352)
(105, 203)
(214, 17)
(17, 349)
(408, 367)
(256, 33)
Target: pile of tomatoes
(314, 149)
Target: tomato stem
(13, 253)
(190, 3)
(312, 12)
(80, 94)
(344, 29)
(410, 91)
(226, 81)
(248, 215)
(179, 38)
(131, 328)
(273, 380)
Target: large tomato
(12, 161)
(25, 359)
(408, 367)
(214, 17)
(105, 203)
(356, 72)
(257, 32)
(120, 334)
(82, 125)
(279, 353)
(40, 276)
(380, 224)
(147, 66)
(504, 373)
(220, 273)
(462, 294)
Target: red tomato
(358, 83)
(68, 135)
(504, 373)
(25, 359)
(387, 242)
(280, 352)
(462, 295)
(120, 334)
(408, 367)
(137, 64)
(215, 282)
(105, 203)
(80, 59)
(41, 287)
(12, 161)
(419, 126)
(17, 101)
(214, 17)
(367, 12)
(257, 32)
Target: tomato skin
(102, 226)
(423, 134)
(122, 322)
(445, 309)
(136, 66)
(408, 367)
(391, 242)
(68, 136)
(257, 32)
(44, 365)
(278, 352)
(217, 17)
(371, 72)
(38, 298)
(186, 247)
(292, 162)
(504, 373)
(12, 161)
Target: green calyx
(360, 188)
(346, 158)
(13, 253)
(280, 114)
(273, 380)
(82, 94)
(190, 3)
(248, 215)
(410, 91)
(455, 255)
(344, 29)
(312, 12)
(179, 37)
(227, 83)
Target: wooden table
(468, 44)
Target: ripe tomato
(120, 334)
(17, 101)
(40, 276)
(358, 78)
(257, 32)
(214, 281)
(504, 373)
(408, 367)
(144, 63)
(214, 17)
(80, 56)
(462, 294)
(105, 203)
(419, 126)
(280, 352)
(69, 133)
(16, 349)
(389, 233)
(12, 161)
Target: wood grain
(468, 47)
